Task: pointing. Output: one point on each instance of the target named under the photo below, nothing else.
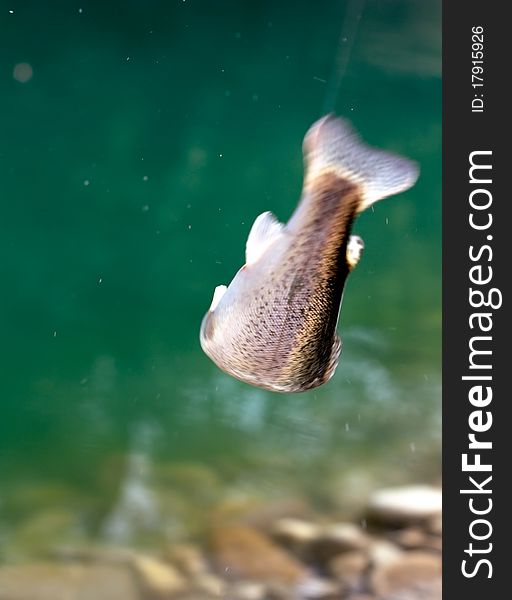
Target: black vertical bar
(475, 120)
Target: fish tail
(332, 145)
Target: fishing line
(346, 41)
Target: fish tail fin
(332, 145)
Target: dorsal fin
(264, 232)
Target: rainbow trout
(274, 326)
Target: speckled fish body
(275, 325)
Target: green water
(132, 164)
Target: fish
(275, 325)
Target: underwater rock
(417, 575)
(246, 590)
(242, 552)
(433, 543)
(187, 558)
(338, 538)
(210, 584)
(296, 535)
(156, 578)
(435, 525)
(49, 581)
(405, 505)
(412, 538)
(382, 552)
(317, 588)
(191, 562)
(349, 569)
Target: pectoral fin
(220, 290)
(264, 232)
(355, 249)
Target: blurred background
(139, 142)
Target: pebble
(157, 578)
(316, 588)
(211, 584)
(405, 505)
(338, 538)
(417, 575)
(383, 553)
(246, 590)
(349, 569)
(188, 558)
(296, 535)
(435, 525)
(242, 552)
(411, 538)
